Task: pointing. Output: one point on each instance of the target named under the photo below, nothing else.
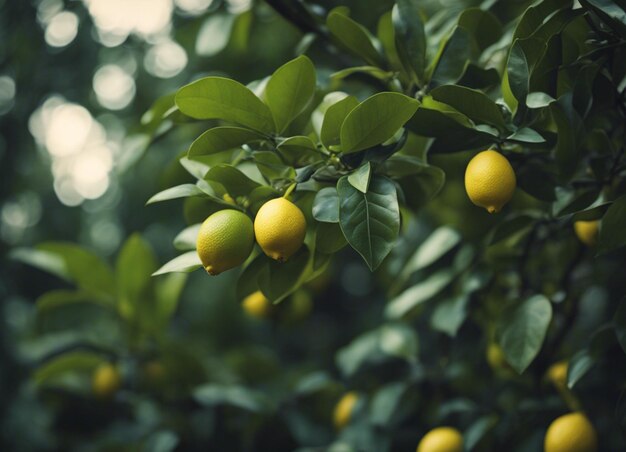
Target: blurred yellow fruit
(106, 380)
(229, 199)
(587, 231)
(280, 228)
(225, 240)
(571, 433)
(441, 439)
(344, 408)
(257, 305)
(495, 357)
(490, 180)
(557, 373)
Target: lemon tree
(403, 224)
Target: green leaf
(61, 298)
(483, 25)
(375, 120)
(395, 340)
(161, 441)
(66, 363)
(186, 239)
(168, 290)
(272, 167)
(212, 394)
(398, 340)
(384, 407)
(372, 71)
(568, 125)
(522, 330)
(538, 100)
(410, 37)
(354, 37)
(328, 238)
(526, 135)
(613, 230)
(371, 221)
(512, 226)
(221, 139)
(439, 243)
(578, 366)
(326, 205)
(279, 280)
(450, 314)
(334, 118)
(360, 179)
(289, 90)
(452, 58)
(226, 99)
(418, 294)
(298, 151)
(184, 263)
(478, 429)
(134, 266)
(472, 103)
(233, 180)
(420, 182)
(611, 12)
(71, 262)
(180, 191)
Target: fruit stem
(291, 188)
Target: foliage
(369, 135)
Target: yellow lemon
(280, 228)
(557, 373)
(441, 439)
(571, 433)
(256, 305)
(495, 358)
(225, 240)
(490, 180)
(106, 380)
(587, 231)
(344, 408)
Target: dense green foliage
(432, 310)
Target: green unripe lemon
(490, 180)
(280, 228)
(225, 240)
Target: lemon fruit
(280, 228)
(496, 359)
(587, 231)
(344, 408)
(106, 380)
(225, 240)
(571, 433)
(490, 180)
(557, 374)
(441, 439)
(256, 305)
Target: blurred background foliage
(79, 158)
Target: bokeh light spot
(62, 29)
(114, 87)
